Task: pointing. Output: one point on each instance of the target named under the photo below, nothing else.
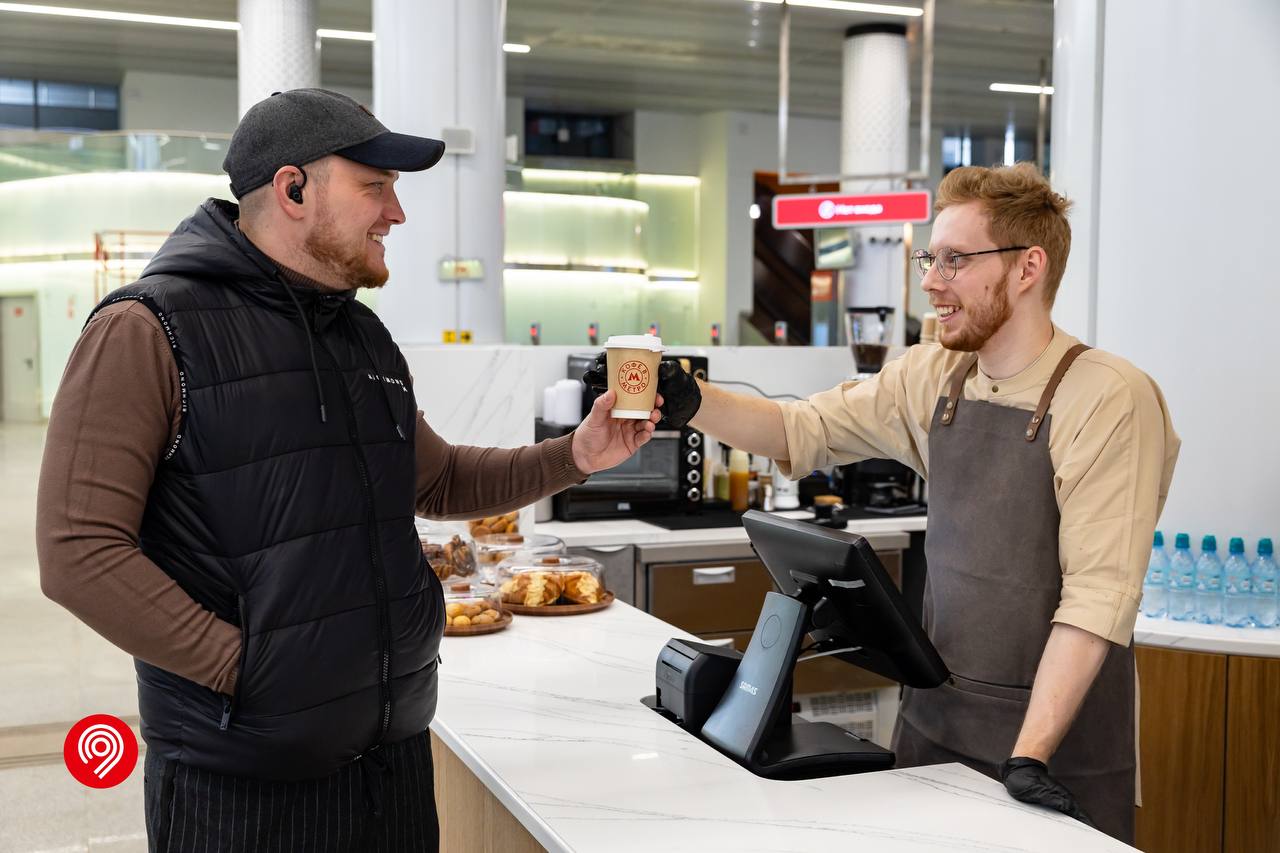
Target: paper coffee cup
(632, 362)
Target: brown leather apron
(994, 581)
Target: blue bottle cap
(1264, 547)
(1158, 541)
(1182, 540)
(1237, 545)
(1209, 543)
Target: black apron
(994, 581)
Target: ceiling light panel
(850, 6)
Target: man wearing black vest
(231, 473)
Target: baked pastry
(496, 524)
(582, 587)
(454, 557)
(532, 589)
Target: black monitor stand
(753, 722)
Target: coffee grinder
(869, 331)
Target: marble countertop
(612, 532)
(1194, 637)
(547, 716)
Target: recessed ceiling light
(1020, 88)
(162, 20)
(515, 47)
(850, 6)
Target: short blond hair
(1022, 210)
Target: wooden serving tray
(560, 609)
(470, 630)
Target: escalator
(781, 269)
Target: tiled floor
(54, 671)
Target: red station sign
(830, 210)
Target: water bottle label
(1266, 587)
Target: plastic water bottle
(1208, 595)
(1237, 597)
(1182, 580)
(1155, 587)
(1265, 573)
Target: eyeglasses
(946, 260)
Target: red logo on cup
(633, 377)
(100, 751)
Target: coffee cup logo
(633, 377)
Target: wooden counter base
(471, 819)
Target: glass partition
(614, 249)
(36, 154)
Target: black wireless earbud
(295, 190)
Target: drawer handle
(607, 549)
(718, 574)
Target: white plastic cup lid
(649, 342)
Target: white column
(875, 120)
(438, 71)
(1075, 155)
(276, 49)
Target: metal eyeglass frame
(923, 256)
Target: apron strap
(956, 389)
(1037, 417)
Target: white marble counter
(1194, 637)
(547, 715)
(636, 532)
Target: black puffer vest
(297, 529)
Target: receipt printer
(691, 678)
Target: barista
(1048, 465)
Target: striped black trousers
(383, 804)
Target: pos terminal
(832, 590)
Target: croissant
(532, 589)
(582, 587)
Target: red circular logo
(633, 377)
(100, 751)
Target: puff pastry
(532, 589)
(582, 587)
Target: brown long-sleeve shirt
(116, 411)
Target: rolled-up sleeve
(1111, 487)
(853, 421)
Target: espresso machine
(881, 487)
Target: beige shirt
(1111, 444)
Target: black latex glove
(1028, 780)
(681, 396)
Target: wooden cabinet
(1253, 755)
(1210, 741)
(1183, 730)
(709, 597)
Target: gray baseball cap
(296, 127)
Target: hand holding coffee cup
(679, 397)
(602, 441)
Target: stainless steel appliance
(882, 486)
